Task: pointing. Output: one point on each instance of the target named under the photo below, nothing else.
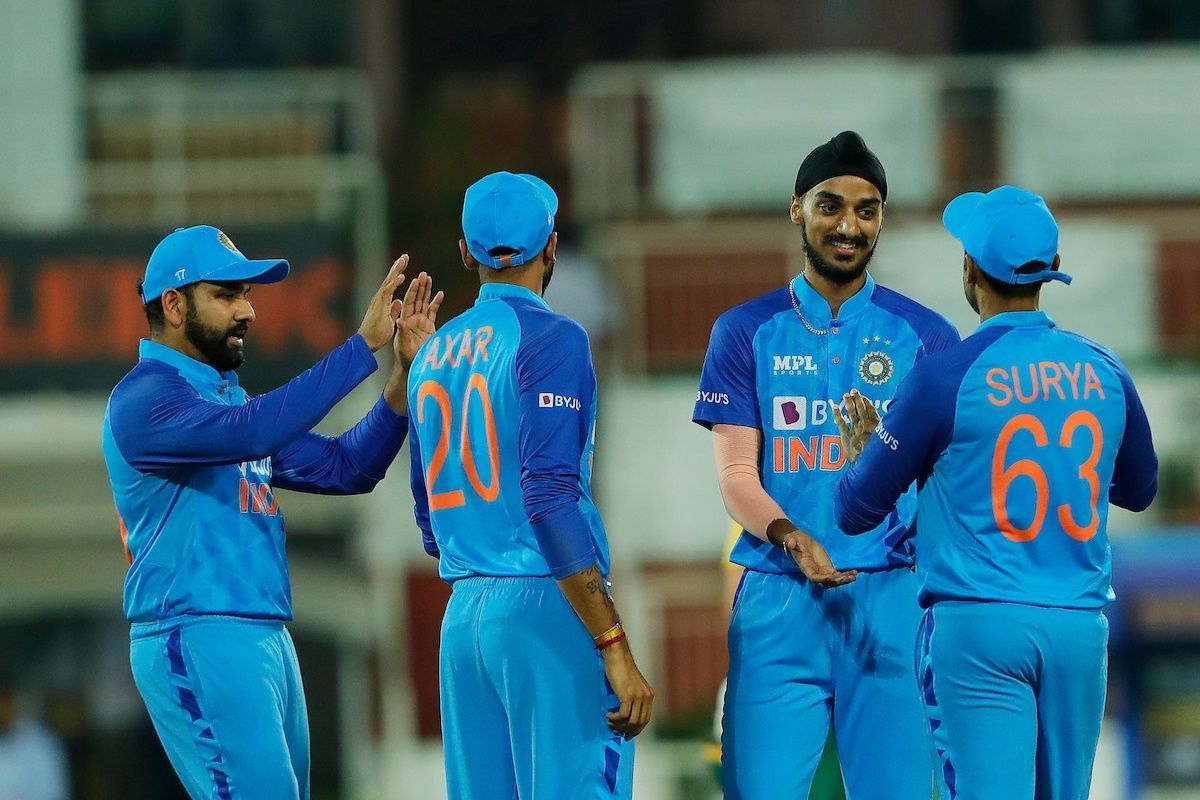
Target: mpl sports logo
(552, 400)
(793, 365)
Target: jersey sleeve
(906, 444)
(728, 393)
(352, 463)
(936, 335)
(556, 386)
(421, 497)
(160, 422)
(1135, 472)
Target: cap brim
(958, 212)
(266, 270)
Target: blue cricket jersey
(767, 369)
(503, 401)
(193, 463)
(1019, 438)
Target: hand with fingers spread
(809, 555)
(631, 688)
(857, 424)
(418, 317)
(379, 323)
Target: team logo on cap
(876, 368)
(226, 243)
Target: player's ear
(468, 260)
(174, 307)
(796, 212)
(1057, 262)
(551, 246)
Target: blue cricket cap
(203, 253)
(1003, 231)
(510, 211)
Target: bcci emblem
(876, 368)
(226, 243)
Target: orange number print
(490, 492)
(477, 386)
(1028, 468)
(444, 500)
(1087, 472)
(1002, 478)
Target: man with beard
(804, 653)
(193, 464)
(540, 693)
(1019, 438)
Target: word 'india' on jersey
(193, 464)
(765, 369)
(1019, 438)
(503, 401)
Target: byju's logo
(794, 365)
(791, 413)
(551, 400)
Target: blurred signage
(71, 319)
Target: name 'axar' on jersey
(503, 406)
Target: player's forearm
(395, 393)
(587, 592)
(746, 501)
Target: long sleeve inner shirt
(193, 462)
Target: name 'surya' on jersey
(1043, 381)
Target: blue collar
(816, 309)
(491, 291)
(1019, 319)
(194, 371)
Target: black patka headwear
(844, 154)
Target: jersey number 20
(476, 385)
(1003, 478)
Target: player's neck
(528, 277)
(834, 293)
(991, 305)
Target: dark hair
(1017, 291)
(154, 309)
(503, 250)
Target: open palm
(418, 316)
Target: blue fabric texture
(194, 462)
(503, 401)
(766, 369)
(524, 698)
(1019, 438)
(1009, 687)
(227, 702)
(801, 659)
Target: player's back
(1016, 508)
(475, 392)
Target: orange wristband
(609, 636)
(620, 637)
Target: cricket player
(540, 694)
(804, 652)
(1019, 438)
(194, 463)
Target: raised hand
(418, 316)
(857, 425)
(379, 323)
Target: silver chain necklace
(799, 313)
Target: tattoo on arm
(597, 584)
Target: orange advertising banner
(71, 318)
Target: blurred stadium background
(339, 134)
